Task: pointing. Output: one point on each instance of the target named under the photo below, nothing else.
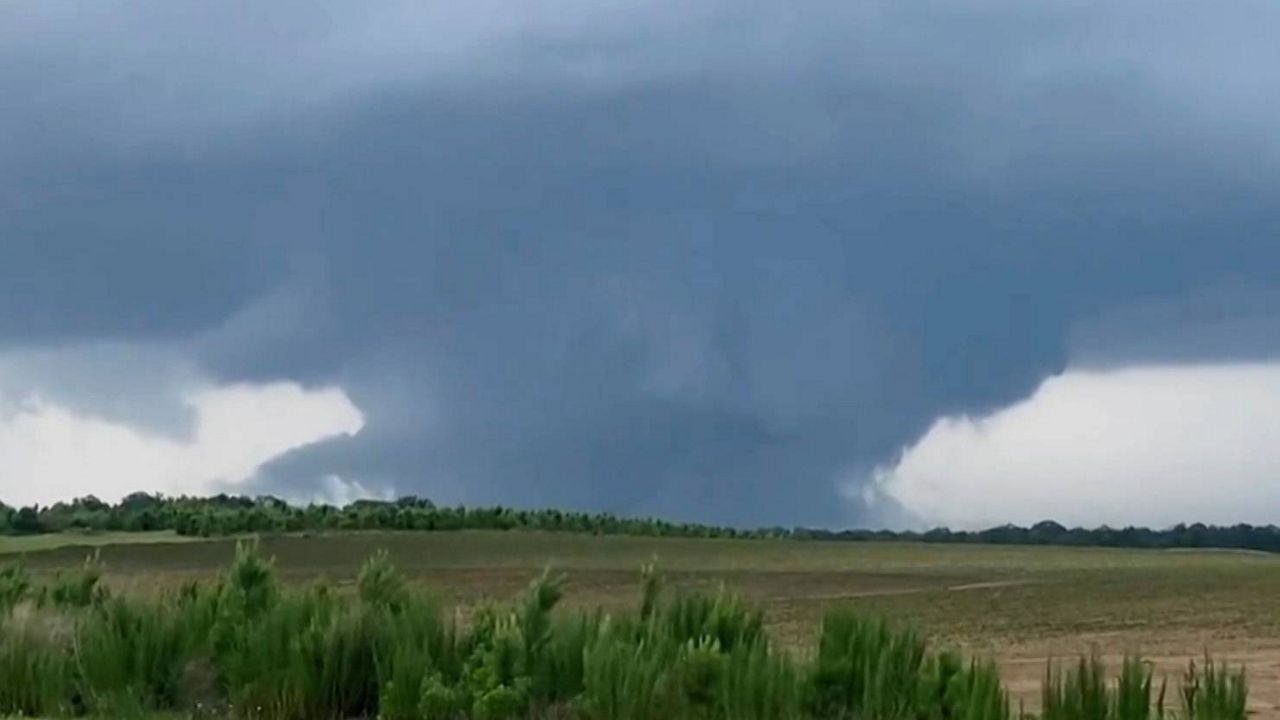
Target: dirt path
(889, 592)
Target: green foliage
(422, 661)
(27, 521)
(230, 515)
(1214, 692)
(308, 655)
(403, 675)
(439, 701)
(1132, 698)
(1083, 693)
(223, 515)
(626, 679)
(130, 656)
(698, 672)
(757, 685)
(650, 589)
(249, 587)
(36, 675)
(80, 588)
(502, 702)
(866, 668)
(972, 693)
(1078, 693)
(15, 583)
(247, 647)
(722, 617)
(380, 584)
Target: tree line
(224, 515)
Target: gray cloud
(1226, 321)
(706, 260)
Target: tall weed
(15, 583)
(1213, 691)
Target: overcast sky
(822, 263)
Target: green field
(11, 544)
(1018, 604)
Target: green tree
(27, 521)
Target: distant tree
(272, 502)
(139, 501)
(1046, 532)
(89, 503)
(413, 501)
(27, 521)
(223, 514)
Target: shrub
(15, 583)
(1083, 693)
(1079, 693)
(246, 647)
(755, 685)
(628, 680)
(439, 701)
(1214, 692)
(36, 675)
(866, 668)
(951, 690)
(80, 588)
(380, 584)
(722, 617)
(249, 586)
(650, 590)
(131, 656)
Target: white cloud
(50, 452)
(335, 490)
(1149, 445)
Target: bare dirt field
(1020, 605)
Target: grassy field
(1020, 605)
(34, 543)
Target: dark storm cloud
(709, 262)
(1232, 320)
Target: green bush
(15, 583)
(1078, 693)
(80, 588)
(36, 674)
(625, 679)
(438, 700)
(249, 587)
(246, 647)
(1083, 692)
(757, 685)
(1214, 692)
(953, 691)
(380, 584)
(866, 668)
(131, 656)
(722, 617)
